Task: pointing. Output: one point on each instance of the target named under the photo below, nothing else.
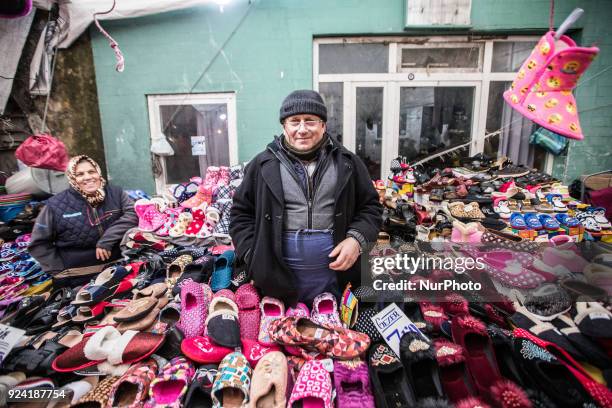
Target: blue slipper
(532, 221)
(549, 222)
(517, 221)
(222, 273)
(566, 220)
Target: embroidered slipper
(504, 353)
(203, 351)
(170, 386)
(335, 342)
(389, 382)
(132, 389)
(433, 315)
(269, 383)
(325, 310)
(454, 377)
(231, 386)
(313, 387)
(222, 273)
(419, 360)
(526, 320)
(471, 334)
(254, 351)
(195, 299)
(271, 309)
(176, 268)
(222, 321)
(249, 314)
(544, 369)
(600, 393)
(593, 320)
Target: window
(419, 96)
(200, 128)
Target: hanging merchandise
(549, 141)
(542, 90)
(162, 147)
(43, 151)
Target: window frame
(421, 77)
(155, 101)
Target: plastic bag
(549, 141)
(161, 147)
(43, 151)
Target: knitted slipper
(271, 309)
(170, 386)
(249, 313)
(325, 310)
(132, 389)
(195, 298)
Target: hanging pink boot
(542, 90)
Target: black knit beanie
(302, 102)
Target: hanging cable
(120, 64)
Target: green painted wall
(270, 54)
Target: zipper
(97, 221)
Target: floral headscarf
(94, 199)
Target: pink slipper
(271, 309)
(202, 350)
(249, 314)
(325, 310)
(254, 351)
(195, 298)
(313, 386)
(505, 266)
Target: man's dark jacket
(257, 218)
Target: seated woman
(83, 225)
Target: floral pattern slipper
(271, 309)
(325, 310)
(170, 386)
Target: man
(305, 209)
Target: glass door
(369, 125)
(434, 119)
(200, 129)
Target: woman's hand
(346, 252)
(103, 254)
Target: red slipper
(434, 315)
(471, 334)
(253, 351)
(202, 350)
(455, 379)
(86, 353)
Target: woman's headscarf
(94, 199)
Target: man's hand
(346, 252)
(103, 254)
